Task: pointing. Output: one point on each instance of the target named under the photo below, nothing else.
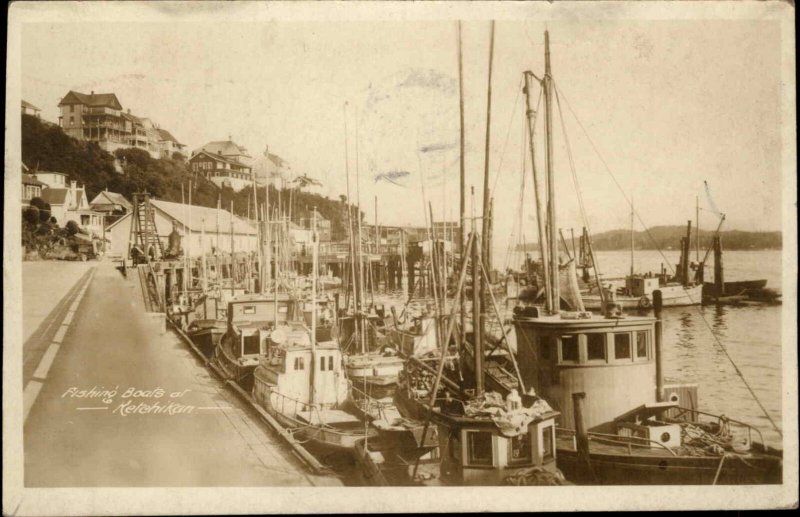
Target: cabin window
(520, 451)
(622, 345)
(251, 344)
(596, 347)
(479, 448)
(641, 344)
(330, 362)
(299, 363)
(569, 348)
(545, 344)
(249, 309)
(548, 447)
(322, 363)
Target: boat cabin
(417, 339)
(288, 369)
(251, 319)
(477, 451)
(641, 285)
(611, 359)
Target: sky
(663, 104)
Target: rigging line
(513, 238)
(658, 248)
(505, 144)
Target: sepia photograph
(371, 257)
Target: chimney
(129, 111)
(92, 92)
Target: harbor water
(694, 337)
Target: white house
(71, 204)
(206, 228)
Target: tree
(31, 216)
(72, 228)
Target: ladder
(144, 234)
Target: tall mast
(189, 237)
(233, 261)
(555, 297)
(485, 227)
(540, 217)
(359, 318)
(314, 266)
(632, 237)
(349, 215)
(258, 235)
(462, 179)
(697, 228)
(203, 253)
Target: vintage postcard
(372, 257)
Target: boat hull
(232, 370)
(206, 339)
(671, 297)
(624, 469)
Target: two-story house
(72, 204)
(31, 187)
(224, 163)
(30, 109)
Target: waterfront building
(224, 163)
(111, 204)
(31, 187)
(203, 230)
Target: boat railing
(629, 441)
(722, 420)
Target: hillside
(666, 237)
(48, 148)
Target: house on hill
(224, 163)
(31, 187)
(30, 109)
(203, 229)
(99, 117)
(271, 169)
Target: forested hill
(46, 147)
(666, 237)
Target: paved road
(110, 343)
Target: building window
(622, 345)
(330, 362)
(249, 309)
(322, 363)
(641, 344)
(596, 347)
(84, 220)
(520, 451)
(71, 108)
(548, 446)
(479, 448)
(299, 363)
(569, 348)
(71, 121)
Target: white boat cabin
(251, 320)
(612, 360)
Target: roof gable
(94, 99)
(26, 104)
(219, 158)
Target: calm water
(693, 337)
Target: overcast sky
(668, 104)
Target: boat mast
(555, 298)
(632, 237)
(349, 216)
(462, 181)
(314, 266)
(697, 228)
(359, 315)
(486, 208)
(189, 237)
(540, 217)
(233, 262)
(258, 235)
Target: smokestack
(92, 92)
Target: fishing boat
(251, 319)
(301, 382)
(619, 423)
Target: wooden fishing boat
(250, 321)
(301, 382)
(206, 334)
(305, 389)
(638, 295)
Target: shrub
(72, 227)
(31, 215)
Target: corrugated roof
(204, 217)
(26, 104)
(92, 99)
(55, 196)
